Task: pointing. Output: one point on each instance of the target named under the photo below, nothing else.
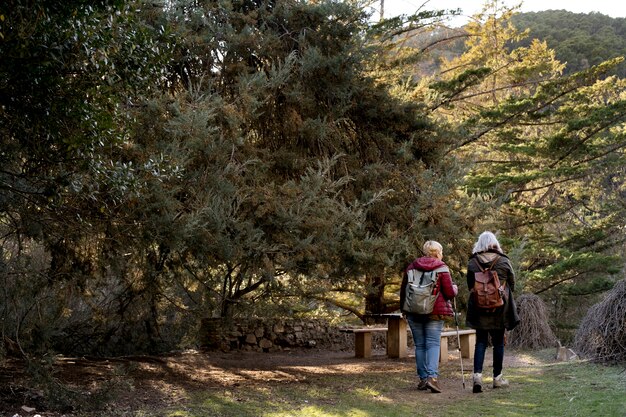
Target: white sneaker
(477, 380)
(500, 382)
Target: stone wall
(265, 335)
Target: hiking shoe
(422, 385)
(433, 385)
(478, 383)
(500, 382)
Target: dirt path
(159, 382)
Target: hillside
(580, 40)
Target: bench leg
(363, 345)
(396, 338)
(443, 349)
(468, 342)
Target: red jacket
(443, 287)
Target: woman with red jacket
(426, 328)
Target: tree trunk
(374, 299)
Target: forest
(165, 162)
(580, 40)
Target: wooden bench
(467, 339)
(363, 340)
(397, 336)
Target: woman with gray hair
(493, 322)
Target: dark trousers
(482, 342)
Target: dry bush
(533, 331)
(602, 333)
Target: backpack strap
(436, 271)
(415, 276)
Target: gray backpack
(419, 298)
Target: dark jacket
(443, 287)
(505, 317)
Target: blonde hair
(433, 249)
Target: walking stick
(458, 341)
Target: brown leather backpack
(488, 293)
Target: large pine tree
(311, 178)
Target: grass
(543, 388)
(565, 389)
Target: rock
(265, 344)
(564, 354)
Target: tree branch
(555, 283)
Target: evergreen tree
(548, 152)
(322, 183)
(579, 40)
(69, 72)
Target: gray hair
(486, 241)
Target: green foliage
(165, 163)
(321, 162)
(70, 72)
(204, 159)
(579, 40)
(542, 148)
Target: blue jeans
(427, 339)
(482, 342)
